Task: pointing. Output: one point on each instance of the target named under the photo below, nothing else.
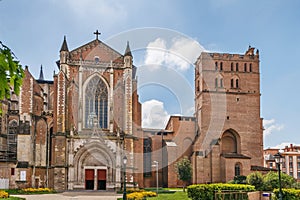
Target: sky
(167, 36)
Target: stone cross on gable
(97, 33)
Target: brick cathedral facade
(72, 132)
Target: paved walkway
(86, 195)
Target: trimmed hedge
(288, 194)
(207, 191)
(140, 195)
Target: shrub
(3, 194)
(37, 190)
(288, 194)
(271, 181)
(240, 179)
(140, 195)
(256, 179)
(207, 191)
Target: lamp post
(278, 160)
(156, 165)
(124, 191)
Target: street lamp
(124, 192)
(278, 160)
(156, 165)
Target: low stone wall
(257, 196)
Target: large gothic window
(12, 140)
(96, 103)
(147, 157)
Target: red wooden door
(101, 174)
(89, 174)
(89, 179)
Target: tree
(256, 179)
(11, 73)
(184, 170)
(271, 181)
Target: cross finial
(97, 33)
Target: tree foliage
(184, 170)
(270, 181)
(256, 179)
(11, 73)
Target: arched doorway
(94, 167)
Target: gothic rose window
(96, 97)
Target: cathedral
(76, 131)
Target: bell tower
(227, 105)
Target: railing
(231, 195)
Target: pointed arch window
(237, 169)
(96, 103)
(237, 83)
(221, 82)
(147, 153)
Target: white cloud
(271, 126)
(283, 145)
(181, 54)
(154, 114)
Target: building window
(12, 171)
(231, 83)
(237, 67)
(237, 83)
(231, 66)
(250, 67)
(216, 66)
(216, 82)
(291, 173)
(221, 66)
(221, 83)
(271, 165)
(298, 165)
(96, 103)
(97, 59)
(237, 169)
(298, 175)
(245, 67)
(147, 157)
(291, 165)
(12, 140)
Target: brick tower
(229, 138)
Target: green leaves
(184, 169)
(11, 73)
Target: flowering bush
(3, 194)
(288, 194)
(140, 195)
(37, 190)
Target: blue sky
(34, 30)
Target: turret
(41, 73)
(128, 57)
(64, 52)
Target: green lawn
(14, 198)
(175, 196)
